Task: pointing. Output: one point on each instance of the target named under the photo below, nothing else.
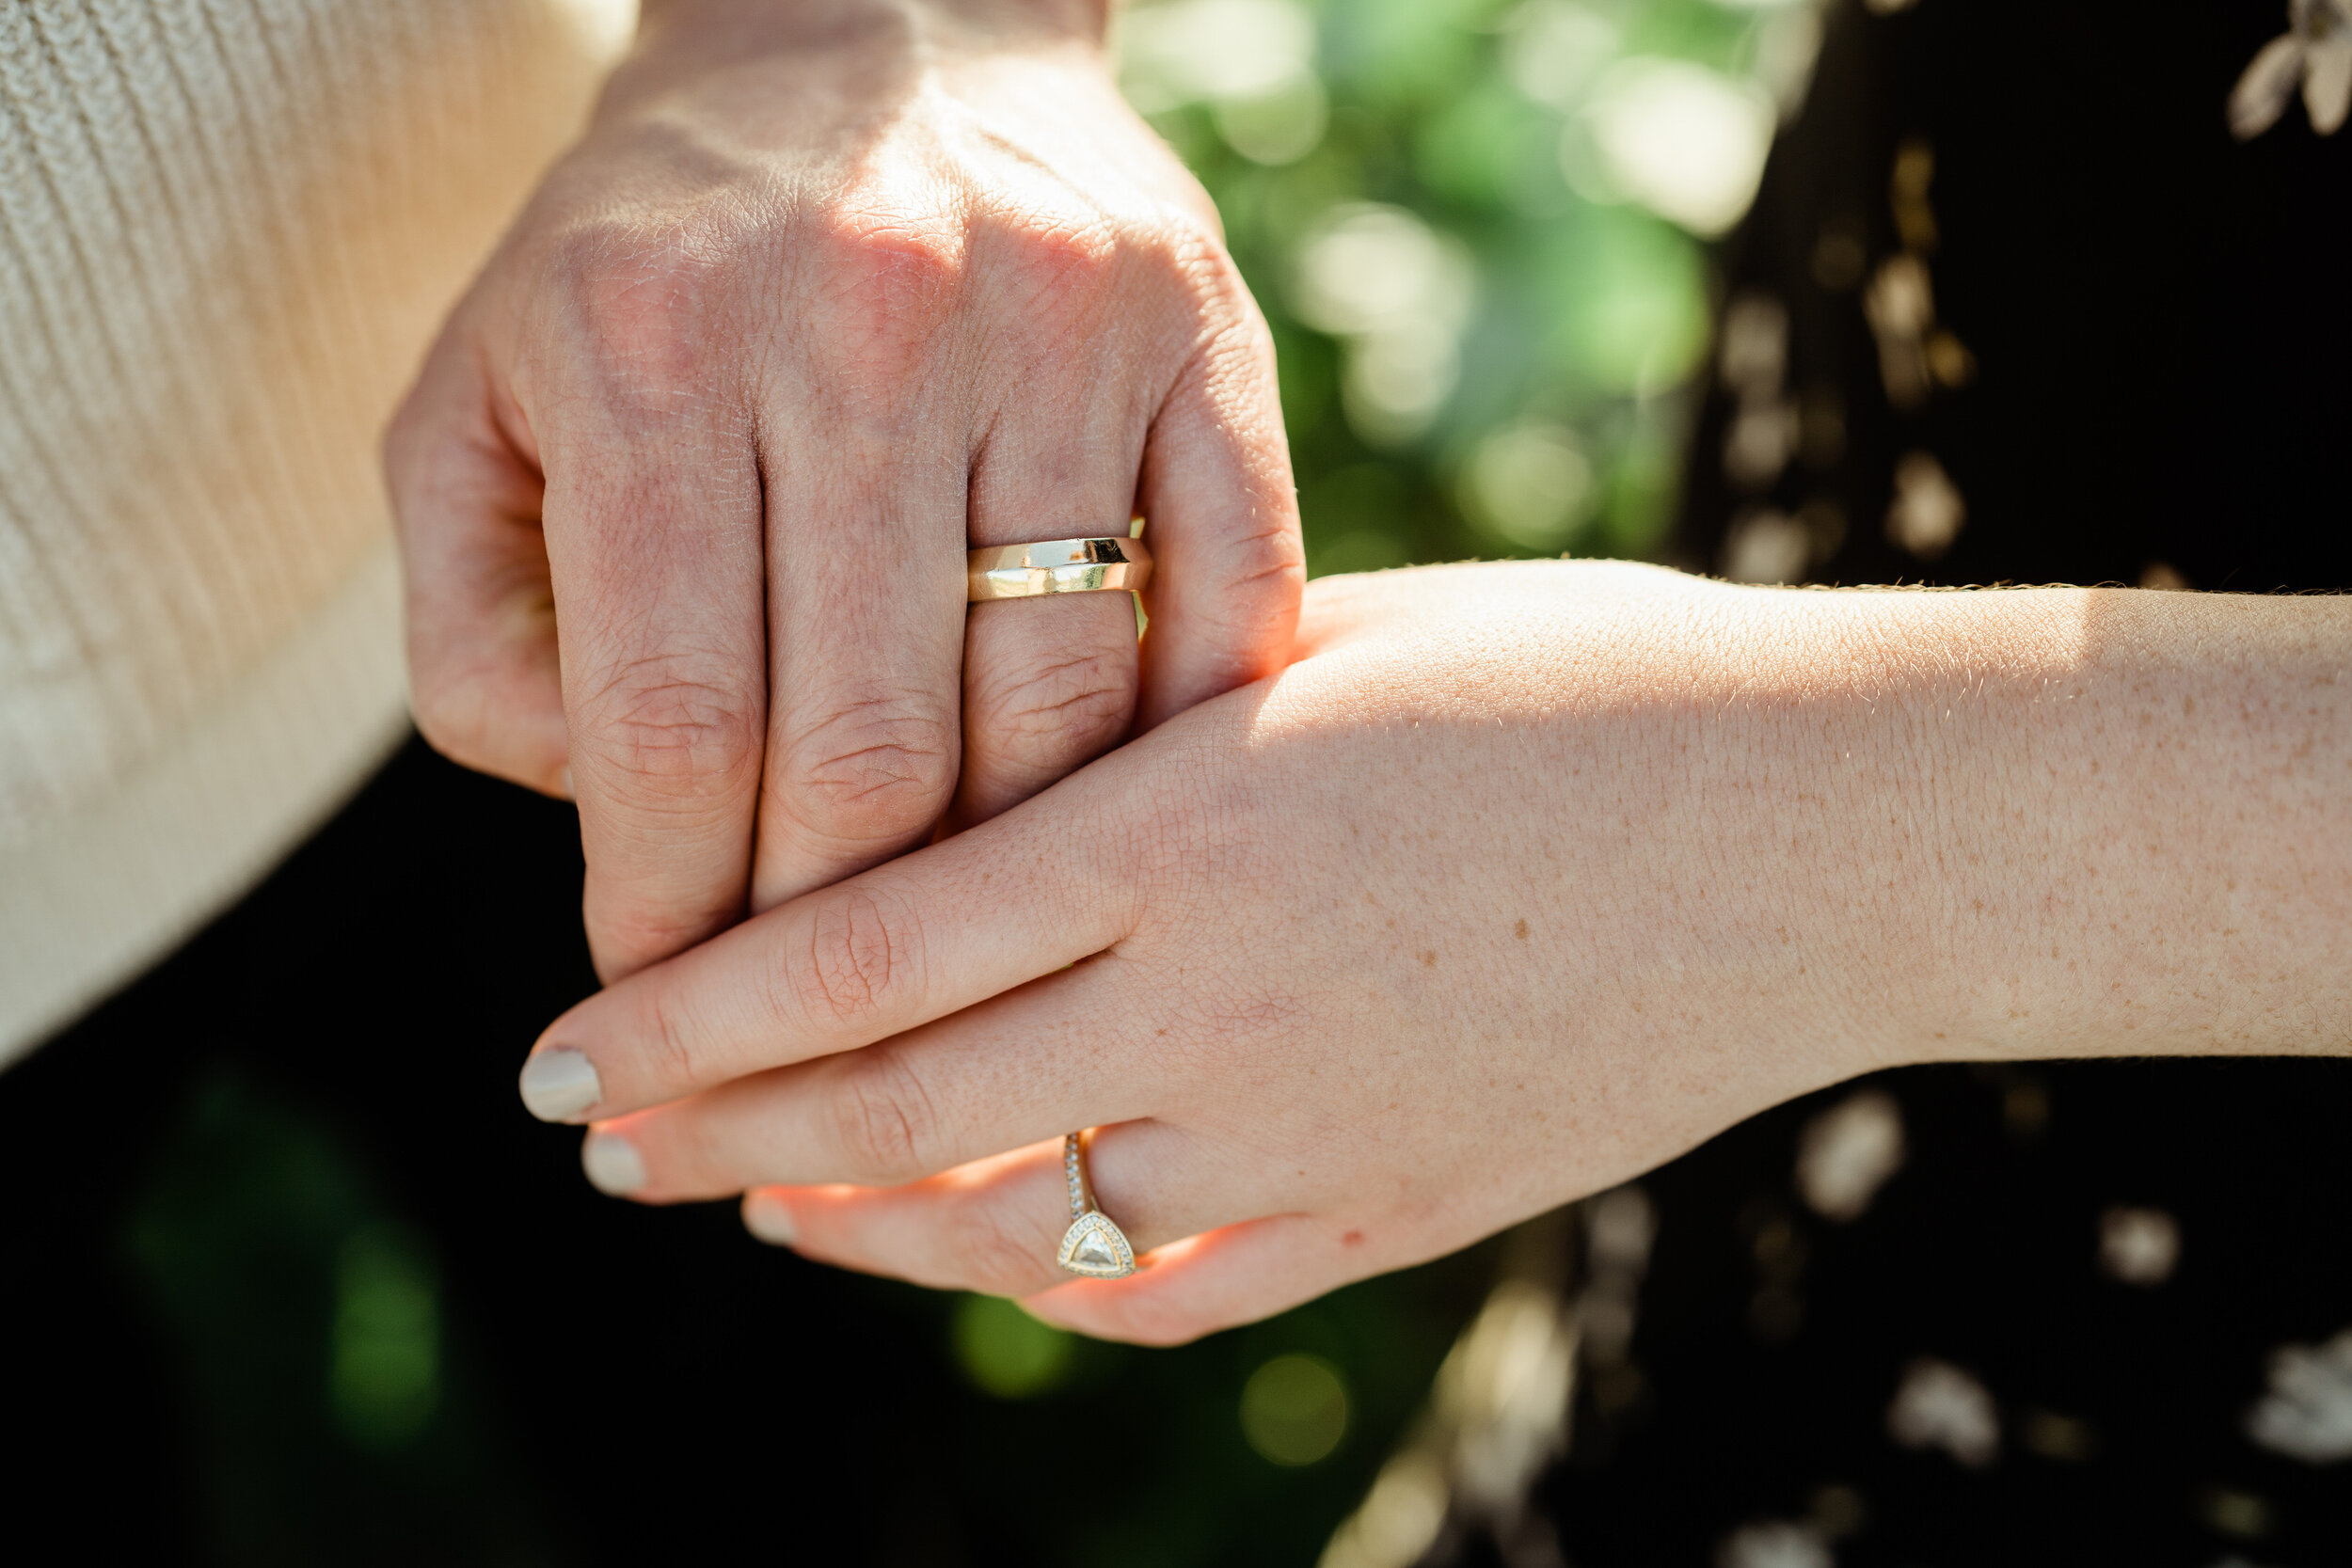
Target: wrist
(2115, 821)
(803, 71)
(720, 29)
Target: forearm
(2116, 822)
(1606, 856)
(803, 85)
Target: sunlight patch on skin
(893, 255)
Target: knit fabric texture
(228, 232)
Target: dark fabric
(1771, 1342)
(2153, 313)
(2152, 386)
(338, 1055)
(210, 1179)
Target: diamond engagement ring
(1092, 1245)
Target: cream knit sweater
(227, 230)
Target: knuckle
(861, 955)
(672, 727)
(883, 1122)
(882, 245)
(629, 932)
(669, 1040)
(1059, 713)
(1061, 268)
(1189, 248)
(874, 770)
(1267, 568)
(640, 296)
(484, 715)
(449, 710)
(886, 272)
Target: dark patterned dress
(2015, 305)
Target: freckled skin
(1291, 1097)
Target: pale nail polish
(559, 1082)
(771, 1222)
(613, 1165)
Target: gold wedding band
(1055, 567)
(1092, 1246)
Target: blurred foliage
(1008, 1353)
(331, 1419)
(1450, 212)
(1294, 1409)
(338, 1418)
(1245, 1449)
(1487, 279)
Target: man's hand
(831, 292)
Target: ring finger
(997, 1223)
(995, 1227)
(1051, 682)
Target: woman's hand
(829, 294)
(1520, 882)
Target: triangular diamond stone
(1093, 1246)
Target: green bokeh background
(1590, 316)
(336, 1413)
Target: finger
(865, 640)
(847, 965)
(1049, 683)
(1229, 1276)
(653, 524)
(1029, 1065)
(465, 498)
(1216, 486)
(995, 1226)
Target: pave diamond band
(1092, 1246)
(1074, 1174)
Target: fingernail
(564, 783)
(771, 1221)
(613, 1165)
(560, 1083)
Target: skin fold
(1518, 880)
(830, 292)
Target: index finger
(926, 935)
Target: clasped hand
(1489, 887)
(828, 295)
(1447, 924)
(1518, 880)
